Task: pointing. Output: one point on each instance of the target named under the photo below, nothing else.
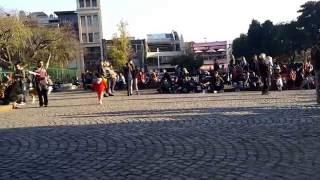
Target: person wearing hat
(315, 60)
(265, 73)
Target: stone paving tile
(191, 136)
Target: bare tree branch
(48, 61)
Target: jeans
(42, 91)
(129, 84)
(135, 84)
(112, 85)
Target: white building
(211, 52)
(90, 33)
(162, 48)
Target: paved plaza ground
(190, 136)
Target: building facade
(161, 49)
(212, 52)
(90, 33)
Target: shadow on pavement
(220, 143)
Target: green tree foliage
(309, 20)
(24, 41)
(284, 39)
(57, 45)
(241, 47)
(13, 37)
(190, 62)
(120, 51)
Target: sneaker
(22, 104)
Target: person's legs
(113, 84)
(131, 87)
(45, 96)
(39, 91)
(100, 96)
(135, 84)
(110, 87)
(265, 84)
(317, 73)
(268, 84)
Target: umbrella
(221, 50)
(212, 50)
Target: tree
(57, 46)
(25, 41)
(13, 37)
(120, 51)
(309, 20)
(254, 37)
(240, 46)
(190, 62)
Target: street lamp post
(158, 54)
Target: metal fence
(62, 75)
(56, 75)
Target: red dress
(100, 86)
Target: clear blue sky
(196, 20)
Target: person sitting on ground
(166, 83)
(254, 81)
(292, 77)
(237, 78)
(278, 78)
(217, 82)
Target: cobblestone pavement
(191, 136)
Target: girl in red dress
(100, 87)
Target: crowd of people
(260, 73)
(263, 72)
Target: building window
(89, 19)
(88, 4)
(83, 21)
(94, 3)
(84, 37)
(96, 37)
(81, 3)
(90, 37)
(95, 20)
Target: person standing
(129, 78)
(99, 86)
(135, 75)
(315, 60)
(20, 79)
(113, 79)
(42, 84)
(111, 76)
(265, 71)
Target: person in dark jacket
(217, 82)
(128, 74)
(264, 73)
